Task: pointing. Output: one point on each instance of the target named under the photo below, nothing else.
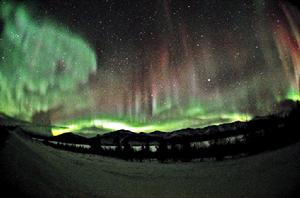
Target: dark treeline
(68, 147)
(252, 137)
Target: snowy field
(41, 171)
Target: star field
(146, 65)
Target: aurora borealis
(147, 65)
(41, 64)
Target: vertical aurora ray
(192, 76)
(287, 36)
(175, 67)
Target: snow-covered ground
(42, 171)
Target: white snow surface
(42, 171)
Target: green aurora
(44, 67)
(42, 64)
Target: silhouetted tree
(96, 146)
(162, 151)
(128, 151)
(186, 151)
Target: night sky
(147, 65)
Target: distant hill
(113, 138)
(69, 138)
(90, 131)
(284, 110)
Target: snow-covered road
(41, 171)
